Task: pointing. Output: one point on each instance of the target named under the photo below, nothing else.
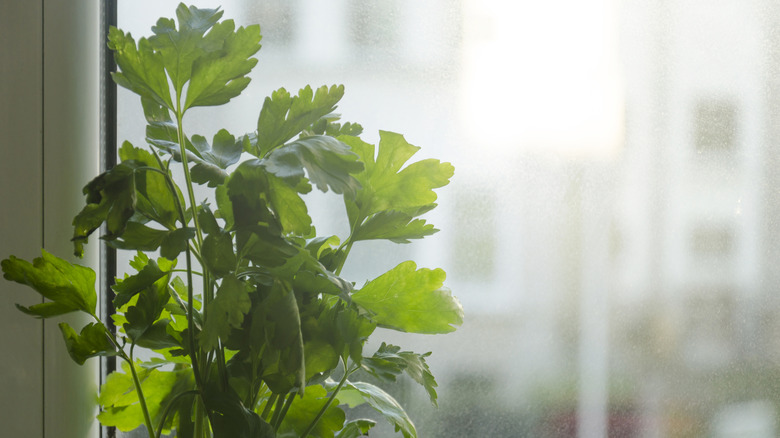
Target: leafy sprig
(268, 344)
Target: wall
(49, 130)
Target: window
(569, 125)
(715, 122)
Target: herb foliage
(267, 345)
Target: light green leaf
(411, 300)
(226, 311)
(385, 185)
(119, 400)
(92, 341)
(304, 409)
(69, 287)
(385, 404)
(283, 116)
(393, 225)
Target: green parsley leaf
(92, 341)
(411, 300)
(327, 161)
(305, 408)
(389, 361)
(383, 403)
(283, 116)
(69, 287)
(356, 428)
(226, 311)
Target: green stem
(140, 392)
(277, 410)
(168, 409)
(268, 404)
(328, 403)
(186, 168)
(286, 408)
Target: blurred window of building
(475, 245)
(712, 240)
(276, 19)
(374, 24)
(715, 126)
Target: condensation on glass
(611, 229)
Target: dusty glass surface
(611, 227)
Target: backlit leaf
(304, 409)
(411, 300)
(92, 341)
(283, 116)
(69, 287)
(385, 404)
(385, 185)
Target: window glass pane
(611, 227)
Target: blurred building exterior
(630, 295)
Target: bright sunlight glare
(544, 76)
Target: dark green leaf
(226, 150)
(141, 70)
(180, 48)
(176, 242)
(219, 75)
(69, 287)
(142, 316)
(327, 161)
(226, 311)
(128, 287)
(289, 207)
(389, 361)
(411, 300)
(208, 223)
(231, 419)
(111, 198)
(385, 404)
(356, 428)
(218, 255)
(143, 238)
(283, 117)
(92, 341)
(155, 200)
(283, 332)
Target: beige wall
(49, 107)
